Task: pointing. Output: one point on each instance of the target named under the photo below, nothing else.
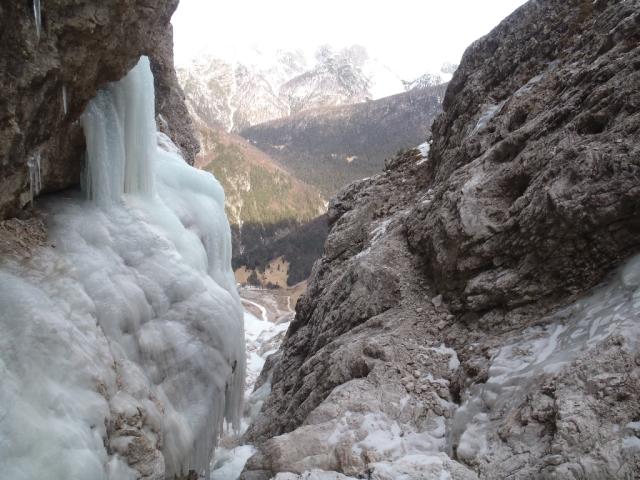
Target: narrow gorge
(475, 313)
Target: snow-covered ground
(267, 316)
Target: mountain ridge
(332, 146)
(242, 92)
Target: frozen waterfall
(122, 348)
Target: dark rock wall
(83, 44)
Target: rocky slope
(451, 328)
(331, 147)
(52, 63)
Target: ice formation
(35, 180)
(65, 103)
(611, 309)
(262, 338)
(122, 342)
(37, 16)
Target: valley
(288, 259)
(284, 134)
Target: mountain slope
(331, 147)
(263, 202)
(300, 247)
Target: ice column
(37, 15)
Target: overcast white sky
(410, 36)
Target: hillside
(331, 147)
(296, 251)
(263, 202)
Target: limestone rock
(452, 290)
(58, 65)
(535, 163)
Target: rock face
(172, 115)
(51, 65)
(536, 159)
(450, 326)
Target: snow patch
(611, 309)
(488, 112)
(229, 463)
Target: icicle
(64, 99)
(119, 125)
(37, 14)
(35, 181)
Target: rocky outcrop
(449, 327)
(172, 115)
(535, 163)
(51, 65)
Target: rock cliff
(451, 327)
(53, 61)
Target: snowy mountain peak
(432, 79)
(249, 86)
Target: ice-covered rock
(122, 349)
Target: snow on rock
(607, 311)
(314, 474)
(263, 337)
(381, 430)
(122, 345)
(229, 463)
(424, 152)
(487, 113)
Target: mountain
(263, 202)
(336, 79)
(273, 190)
(254, 86)
(331, 147)
(233, 95)
(432, 79)
(475, 313)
